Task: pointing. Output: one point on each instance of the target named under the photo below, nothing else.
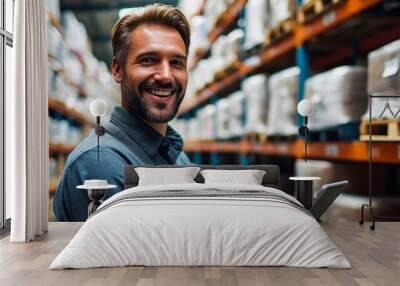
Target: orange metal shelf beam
(388, 153)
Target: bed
(201, 224)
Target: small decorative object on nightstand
(303, 190)
(96, 191)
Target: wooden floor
(374, 255)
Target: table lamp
(305, 109)
(98, 108)
(97, 189)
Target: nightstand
(303, 190)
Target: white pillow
(248, 177)
(163, 176)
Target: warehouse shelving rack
(55, 104)
(301, 34)
(298, 42)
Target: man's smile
(162, 92)
(161, 95)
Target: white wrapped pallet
(257, 18)
(339, 96)
(282, 114)
(75, 33)
(256, 90)
(234, 42)
(236, 111)
(213, 10)
(223, 116)
(384, 69)
(384, 77)
(54, 42)
(281, 10)
(207, 122)
(194, 130)
(218, 54)
(203, 74)
(198, 34)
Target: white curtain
(26, 124)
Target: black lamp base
(95, 195)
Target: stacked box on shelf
(255, 89)
(339, 96)
(384, 78)
(223, 119)
(218, 54)
(224, 52)
(54, 41)
(236, 113)
(198, 35)
(214, 9)
(233, 47)
(282, 115)
(281, 10)
(257, 19)
(75, 33)
(194, 129)
(64, 90)
(207, 120)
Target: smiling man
(150, 48)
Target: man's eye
(147, 61)
(178, 63)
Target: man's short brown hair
(161, 14)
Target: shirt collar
(144, 135)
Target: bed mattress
(201, 225)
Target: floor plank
(375, 257)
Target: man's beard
(137, 102)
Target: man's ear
(117, 70)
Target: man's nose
(164, 73)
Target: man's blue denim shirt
(128, 141)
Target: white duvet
(207, 230)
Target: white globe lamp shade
(305, 107)
(98, 107)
